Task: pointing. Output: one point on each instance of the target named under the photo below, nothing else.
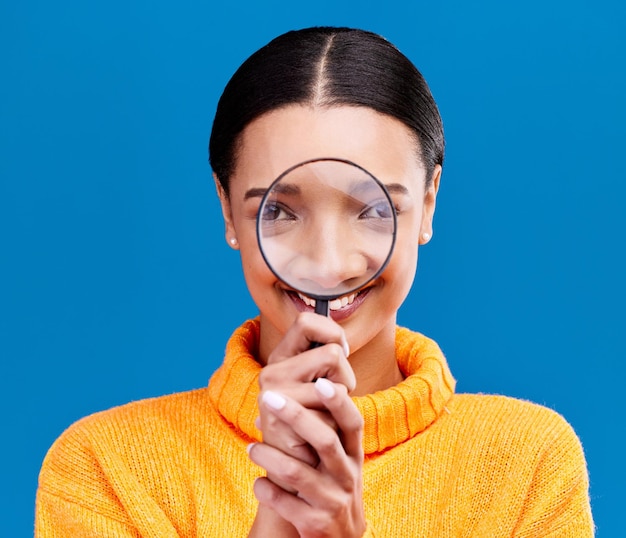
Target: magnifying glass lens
(326, 228)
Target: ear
(231, 235)
(428, 212)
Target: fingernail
(257, 423)
(324, 387)
(249, 447)
(274, 400)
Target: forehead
(287, 136)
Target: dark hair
(325, 66)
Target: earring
(425, 236)
(233, 242)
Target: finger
(280, 435)
(307, 519)
(327, 361)
(288, 506)
(290, 474)
(276, 433)
(308, 328)
(324, 440)
(345, 414)
(302, 392)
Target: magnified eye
(378, 210)
(275, 212)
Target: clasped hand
(312, 436)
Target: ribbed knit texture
(437, 464)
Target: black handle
(321, 308)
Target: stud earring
(233, 241)
(425, 236)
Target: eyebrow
(281, 188)
(369, 186)
(254, 193)
(396, 188)
(259, 192)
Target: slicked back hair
(325, 67)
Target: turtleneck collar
(391, 416)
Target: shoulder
(505, 409)
(134, 457)
(517, 438)
(515, 426)
(148, 413)
(530, 448)
(155, 422)
(489, 410)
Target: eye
(377, 210)
(275, 212)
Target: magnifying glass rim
(319, 297)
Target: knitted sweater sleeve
(58, 517)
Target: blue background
(116, 282)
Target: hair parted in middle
(325, 67)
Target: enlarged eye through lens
(273, 212)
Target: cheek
(260, 281)
(254, 267)
(252, 262)
(408, 231)
(403, 263)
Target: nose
(332, 260)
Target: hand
(291, 369)
(328, 501)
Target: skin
(311, 445)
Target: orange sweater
(436, 464)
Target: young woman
(361, 435)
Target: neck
(375, 365)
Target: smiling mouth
(335, 304)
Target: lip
(337, 315)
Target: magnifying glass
(326, 228)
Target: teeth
(307, 300)
(335, 304)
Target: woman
(361, 435)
